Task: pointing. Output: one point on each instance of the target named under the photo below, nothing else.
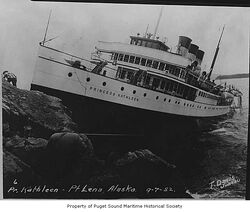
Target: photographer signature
(221, 184)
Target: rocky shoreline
(45, 156)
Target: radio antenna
(158, 21)
(47, 28)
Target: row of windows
(145, 43)
(150, 44)
(174, 70)
(157, 97)
(176, 102)
(206, 95)
(157, 83)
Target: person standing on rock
(10, 78)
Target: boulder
(71, 157)
(145, 170)
(17, 173)
(33, 113)
(30, 150)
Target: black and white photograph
(124, 101)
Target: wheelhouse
(150, 43)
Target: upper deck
(143, 51)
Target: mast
(145, 35)
(215, 55)
(158, 21)
(46, 28)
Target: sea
(220, 154)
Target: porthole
(169, 100)
(164, 99)
(104, 83)
(178, 103)
(88, 79)
(184, 104)
(144, 94)
(157, 97)
(122, 88)
(70, 74)
(134, 91)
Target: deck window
(155, 46)
(170, 88)
(167, 67)
(177, 71)
(175, 86)
(129, 75)
(115, 56)
(161, 66)
(144, 43)
(137, 60)
(155, 64)
(122, 74)
(171, 69)
(149, 63)
(143, 61)
(147, 80)
(120, 58)
(181, 89)
(149, 44)
(156, 83)
(182, 74)
(126, 58)
(139, 43)
(131, 59)
(167, 85)
(163, 84)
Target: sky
(80, 26)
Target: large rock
(148, 172)
(16, 173)
(32, 113)
(30, 150)
(71, 157)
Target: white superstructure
(160, 84)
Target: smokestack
(183, 45)
(192, 52)
(199, 56)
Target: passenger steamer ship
(132, 84)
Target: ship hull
(98, 116)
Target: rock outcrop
(42, 148)
(151, 174)
(33, 113)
